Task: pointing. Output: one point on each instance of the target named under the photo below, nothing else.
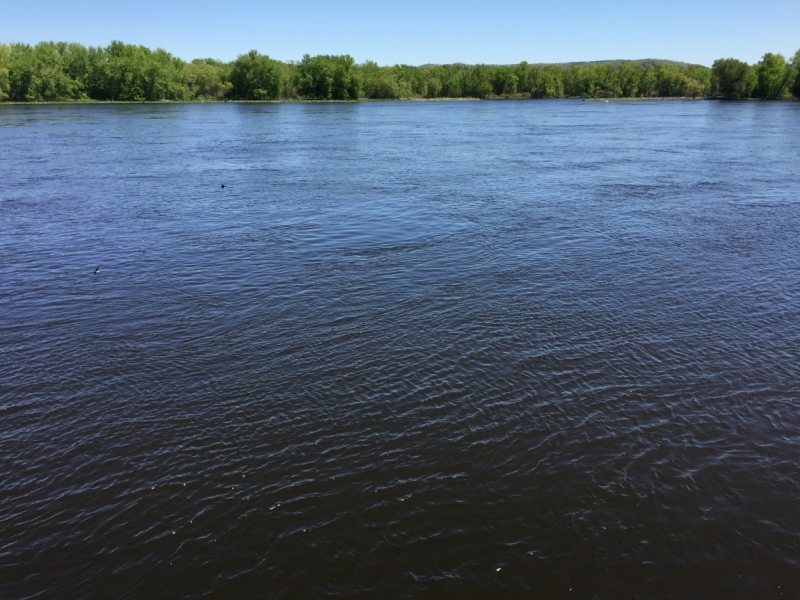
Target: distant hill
(640, 61)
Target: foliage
(135, 73)
(794, 76)
(208, 78)
(546, 82)
(378, 82)
(37, 73)
(62, 71)
(771, 76)
(5, 64)
(255, 77)
(732, 78)
(328, 78)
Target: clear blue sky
(417, 31)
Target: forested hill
(644, 62)
(588, 63)
(51, 71)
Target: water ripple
(443, 350)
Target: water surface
(469, 349)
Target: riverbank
(664, 99)
(371, 100)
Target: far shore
(369, 100)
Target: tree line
(51, 71)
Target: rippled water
(490, 349)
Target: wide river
(535, 349)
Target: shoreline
(370, 100)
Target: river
(539, 349)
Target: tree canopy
(255, 77)
(732, 78)
(793, 80)
(328, 78)
(67, 71)
(771, 76)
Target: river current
(534, 349)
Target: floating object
(97, 270)
(223, 186)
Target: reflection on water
(426, 349)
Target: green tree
(453, 79)
(608, 82)
(346, 81)
(572, 77)
(701, 75)
(5, 64)
(207, 78)
(478, 83)
(505, 81)
(588, 81)
(692, 88)
(629, 78)
(434, 88)
(288, 71)
(794, 78)
(674, 82)
(523, 73)
(771, 76)
(328, 78)
(378, 82)
(255, 77)
(648, 82)
(164, 76)
(314, 79)
(36, 73)
(411, 81)
(134, 73)
(74, 61)
(732, 78)
(546, 82)
(121, 73)
(21, 72)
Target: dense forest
(52, 71)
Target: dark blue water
(469, 349)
